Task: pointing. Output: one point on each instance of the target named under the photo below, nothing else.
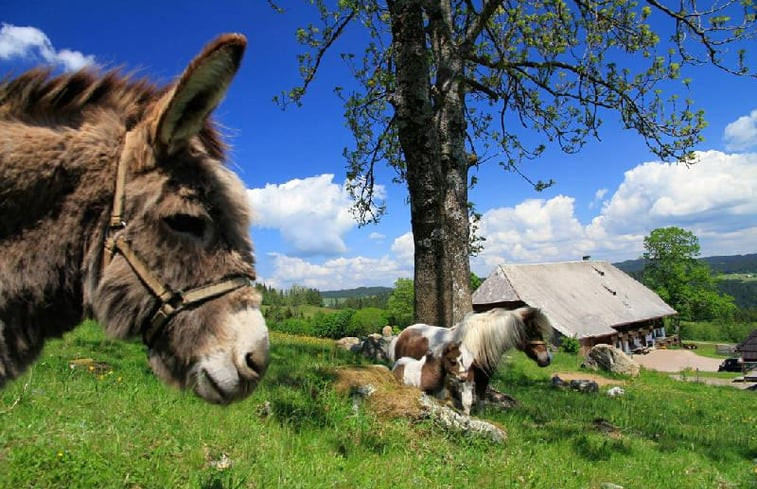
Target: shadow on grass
(299, 383)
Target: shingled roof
(582, 299)
(748, 347)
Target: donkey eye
(184, 223)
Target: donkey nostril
(256, 366)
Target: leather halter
(171, 302)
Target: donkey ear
(182, 111)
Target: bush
(298, 326)
(334, 325)
(726, 331)
(570, 344)
(366, 321)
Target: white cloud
(717, 192)
(312, 214)
(376, 236)
(535, 230)
(715, 198)
(403, 248)
(741, 134)
(598, 196)
(32, 43)
(338, 273)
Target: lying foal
(443, 376)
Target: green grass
(708, 348)
(118, 426)
(744, 277)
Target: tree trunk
(431, 128)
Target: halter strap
(171, 302)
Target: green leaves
(686, 284)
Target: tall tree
(400, 303)
(447, 84)
(672, 270)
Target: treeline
(336, 324)
(305, 296)
(744, 292)
(295, 296)
(358, 302)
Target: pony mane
(71, 99)
(488, 335)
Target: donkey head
(179, 264)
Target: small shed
(592, 301)
(748, 348)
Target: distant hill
(743, 290)
(722, 264)
(358, 292)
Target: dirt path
(676, 360)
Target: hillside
(736, 271)
(722, 264)
(358, 292)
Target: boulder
(374, 347)
(452, 420)
(580, 385)
(610, 359)
(585, 386)
(616, 392)
(349, 343)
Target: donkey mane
(72, 99)
(490, 334)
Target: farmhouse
(748, 348)
(592, 301)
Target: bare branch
(483, 18)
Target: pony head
(537, 331)
(457, 363)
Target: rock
(610, 485)
(498, 399)
(349, 343)
(374, 347)
(558, 382)
(580, 385)
(610, 359)
(450, 419)
(585, 386)
(616, 392)
(387, 331)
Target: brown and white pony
(115, 204)
(443, 375)
(486, 335)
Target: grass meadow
(109, 423)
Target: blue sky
(606, 199)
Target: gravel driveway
(676, 360)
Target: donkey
(443, 375)
(115, 204)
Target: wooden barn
(748, 348)
(592, 301)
